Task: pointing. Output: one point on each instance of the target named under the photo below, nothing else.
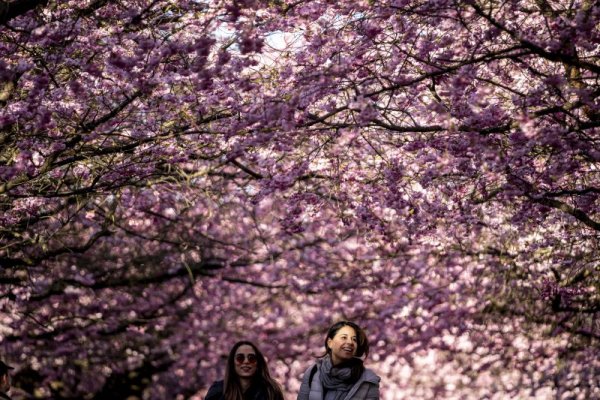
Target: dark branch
(575, 212)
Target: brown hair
(232, 389)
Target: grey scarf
(336, 381)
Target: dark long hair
(233, 389)
(362, 348)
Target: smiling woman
(247, 377)
(340, 373)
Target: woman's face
(245, 361)
(343, 345)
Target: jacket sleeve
(304, 392)
(373, 392)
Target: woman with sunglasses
(340, 374)
(247, 377)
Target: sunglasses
(239, 358)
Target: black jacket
(254, 392)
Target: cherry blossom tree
(178, 175)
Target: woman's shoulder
(215, 391)
(369, 375)
(309, 373)
(312, 368)
(259, 391)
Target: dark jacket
(4, 396)
(254, 392)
